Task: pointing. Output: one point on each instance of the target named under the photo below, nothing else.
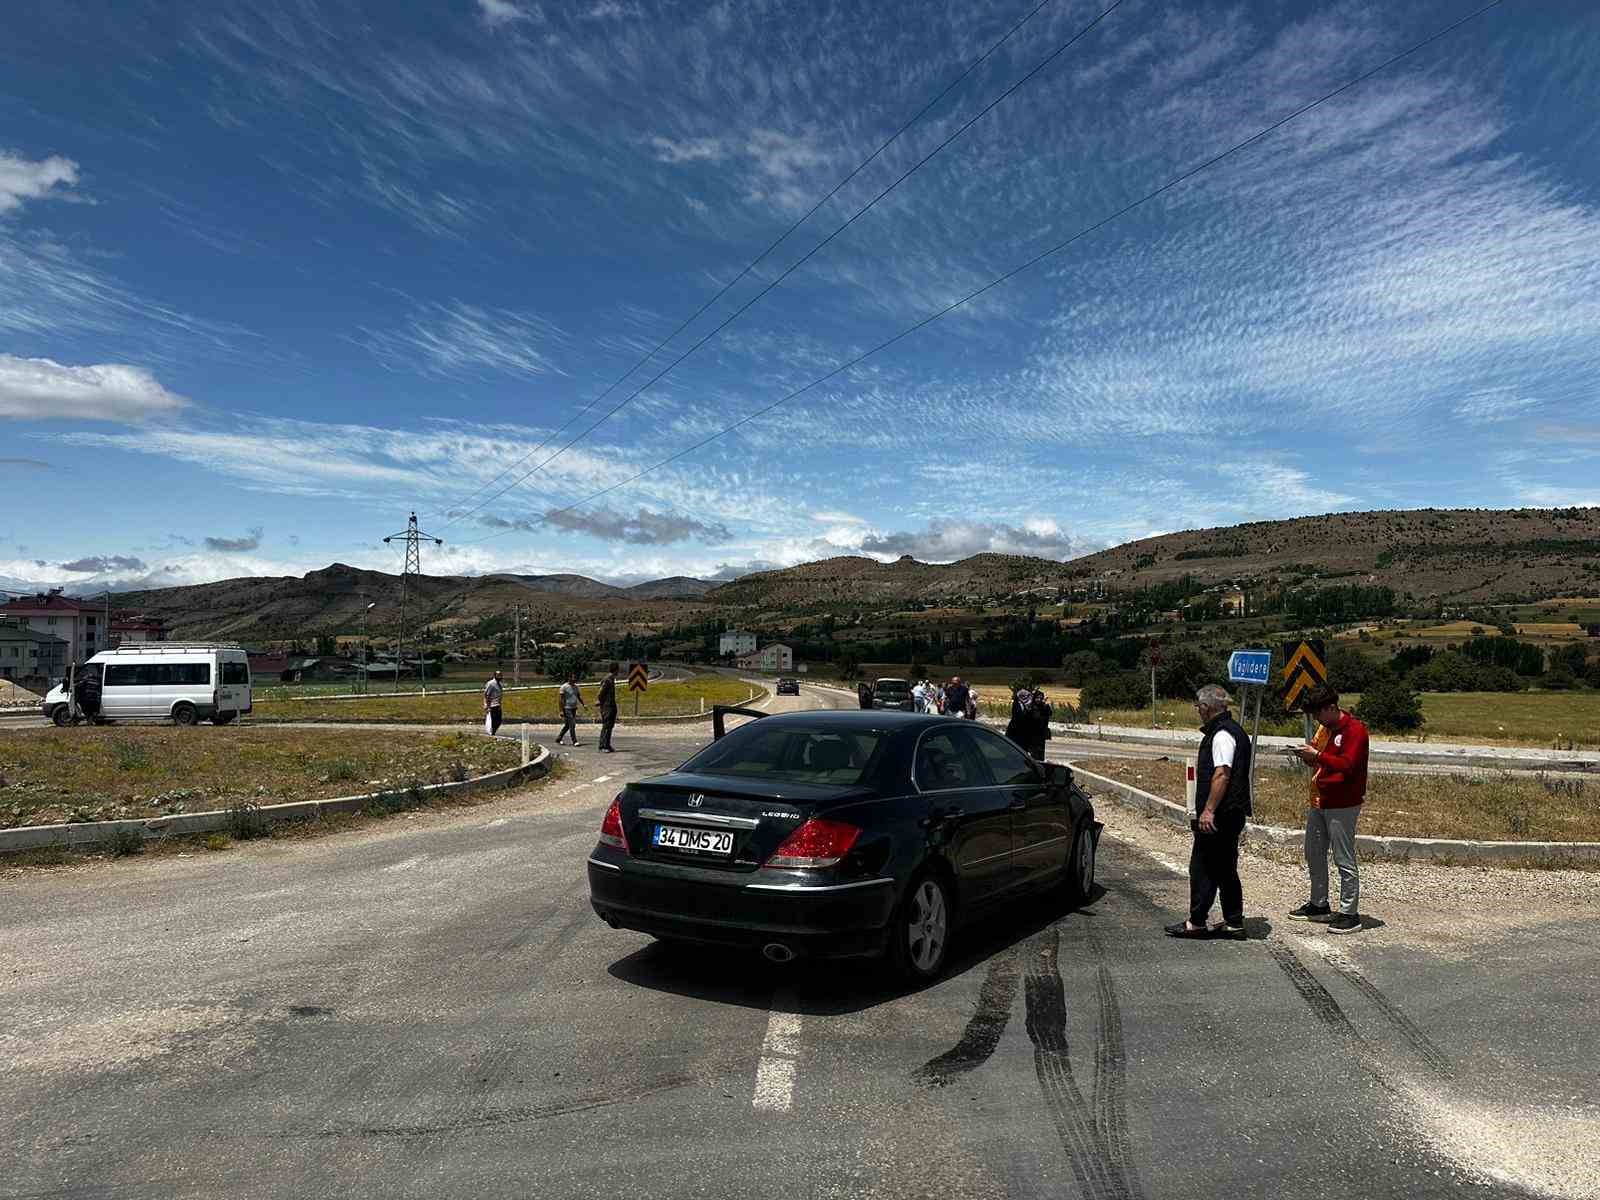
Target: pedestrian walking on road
(1029, 726)
(1338, 752)
(1222, 804)
(492, 692)
(571, 701)
(607, 703)
(919, 696)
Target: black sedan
(788, 687)
(841, 834)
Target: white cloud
(1494, 407)
(458, 337)
(39, 389)
(22, 180)
(500, 12)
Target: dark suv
(892, 693)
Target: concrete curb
(1450, 852)
(89, 833)
(1441, 754)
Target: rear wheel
(1080, 867)
(61, 715)
(185, 714)
(921, 935)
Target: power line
(802, 260)
(758, 259)
(1175, 181)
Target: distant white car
(163, 681)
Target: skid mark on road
(780, 1052)
(1318, 999)
(982, 1033)
(1427, 1049)
(1097, 1175)
(1110, 1077)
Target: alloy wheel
(927, 927)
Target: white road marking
(496, 823)
(601, 778)
(774, 1090)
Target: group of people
(1029, 726)
(569, 700)
(954, 699)
(1337, 755)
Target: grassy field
(96, 773)
(1486, 807)
(1487, 718)
(671, 699)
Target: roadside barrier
(1375, 848)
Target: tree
(1390, 704)
(1126, 689)
(1349, 670)
(1082, 665)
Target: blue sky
(271, 276)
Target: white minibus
(185, 683)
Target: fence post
(526, 756)
(702, 706)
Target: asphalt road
(429, 1008)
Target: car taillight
(817, 843)
(611, 831)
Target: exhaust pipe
(777, 952)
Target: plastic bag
(488, 723)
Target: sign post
(1304, 667)
(1155, 661)
(638, 681)
(1252, 670)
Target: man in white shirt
(1222, 806)
(492, 692)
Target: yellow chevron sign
(1304, 666)
(639, 677)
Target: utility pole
(413, 538)
(516, 651)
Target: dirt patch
(92, 773)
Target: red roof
(30, 605)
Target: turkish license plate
(694, 841)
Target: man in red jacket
(1339, 754)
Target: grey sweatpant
(1334, 827)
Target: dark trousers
(1214, 868)
(608, 722)
(570, 717)
(494, 718)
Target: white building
(734, 642)
(79, 623)
(776, 657)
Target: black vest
(1238, 794)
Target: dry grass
(96, 773)
(1487, 807)
(672, 699)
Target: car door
(1041, 818)
(970, 816)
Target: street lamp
(366, 651)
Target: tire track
(1110, 1077)
(1318, 999)
(1097, 1175)
(983, 1030)
(1427, 1049)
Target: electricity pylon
(413, 538)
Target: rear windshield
(840, 757)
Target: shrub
(245, 820)
(1390, 704)
(1126, 689)
(121, 842)
(340, 770)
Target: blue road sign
(1250, 666)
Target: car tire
(185, 714)
(919, 943)
(61, 715)
(1080, 866)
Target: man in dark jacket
(607, 704)
(1222, 805)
